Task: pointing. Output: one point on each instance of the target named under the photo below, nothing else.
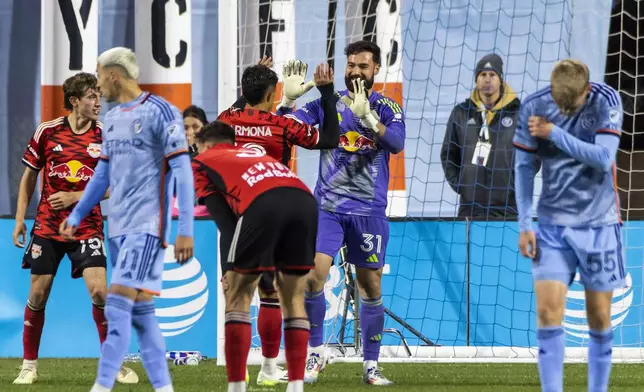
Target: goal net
(454, 290)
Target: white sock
(269, 366)
(167, 388)
(369, 365)
(239, 386)
(295, 386)
(30, 363)
(99, 388)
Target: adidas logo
(471, 121)
(111, 128)
(115, 333)
(28, 323)
(487, 65)
(372, 259)
(612, 278)
(127, 275)
(58, 148)
(97, 252)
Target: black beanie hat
(196, 112)
(489, 62)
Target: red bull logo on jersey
(72, 171)
(353, 141)
(94, 150)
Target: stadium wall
(440, 45)
(426, 283)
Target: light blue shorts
(137, 262)
(597, 252)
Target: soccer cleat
(28, 375)
(127, 376)
(314, 365)
(271, 380)
(373, 376)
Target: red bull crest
(72, 171)
(353, 141)
(36, 251)
(94, 150)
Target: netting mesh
(455, 288)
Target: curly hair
(76, 86)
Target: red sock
(296, 340)
(32, 332)
(237, 345)
(98, 313)
(269, 326)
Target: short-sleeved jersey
(240, 175)
(574, 194)
(67, 161)
(269, 133)
(354, 177)
(138, 139)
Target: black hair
(256, 80)
(196, 112)
(216, 131)
(363, 46)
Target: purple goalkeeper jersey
(354, 177)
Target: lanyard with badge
(483, 146)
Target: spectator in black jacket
(477, 153)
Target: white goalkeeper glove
(293, 76)
(361, 107)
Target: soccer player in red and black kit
(268, 222)
(65, 151)
(257, 129)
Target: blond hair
(123, 58)
(569, 80)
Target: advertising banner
(425, 283)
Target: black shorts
(276, 232)
(43, 255)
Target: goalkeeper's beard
(348, 80)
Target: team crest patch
(136, 126)
(94, 150)
(507, 122)
(36, 251)
(587, 122)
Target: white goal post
(462, 286)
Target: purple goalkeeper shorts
(366, 238)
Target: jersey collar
(136, 101)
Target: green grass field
(76, 375)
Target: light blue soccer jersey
(577, 161)
(138, 139)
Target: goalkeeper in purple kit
(573, 127)
(352, 195)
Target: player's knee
(238, 299)
(549, 313)
(370, 282)
(598, 312)
(317, 277)
(98, 294)
(37, 298)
